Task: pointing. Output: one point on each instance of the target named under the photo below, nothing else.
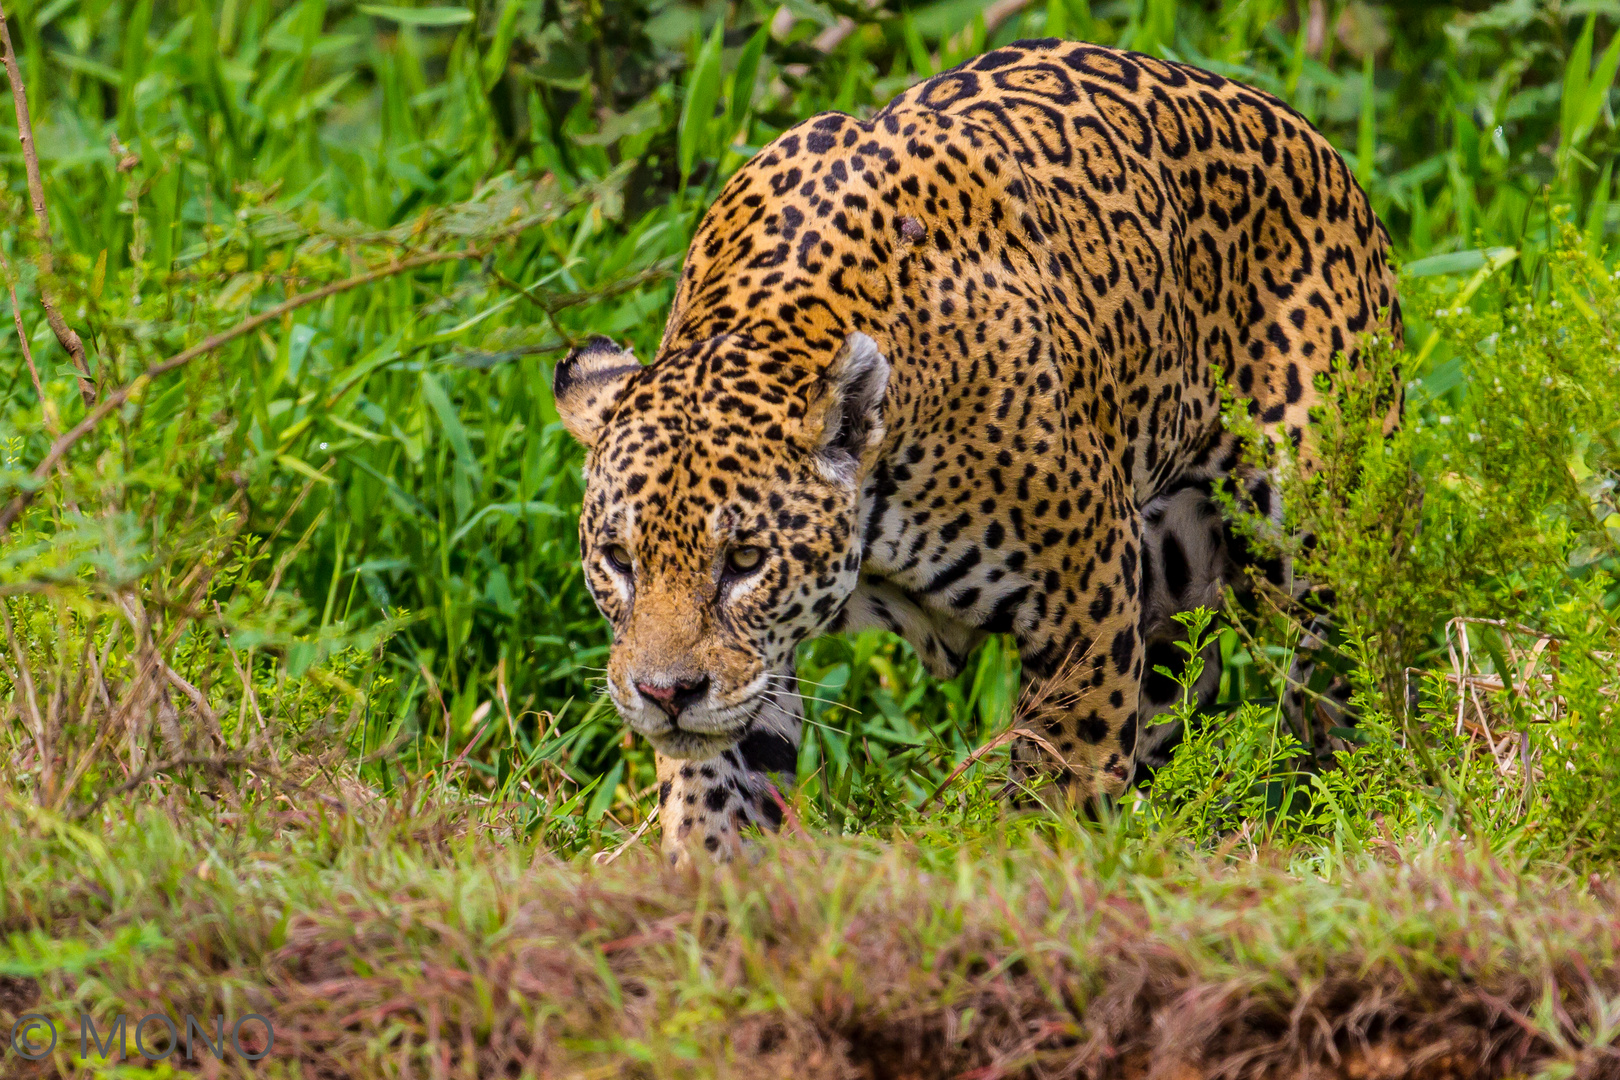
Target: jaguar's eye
(619, 556)
(744, 559)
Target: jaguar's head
(720, 520)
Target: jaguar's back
(1261, 254)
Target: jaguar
(956, 370)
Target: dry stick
(551, 305)
(246, 676)
(36, 194)
(1003, 739)
(117, 398)
(135, 612)
(602, 858)
(555, 303)
(108, 722)
(1031, 707)
(24, 678)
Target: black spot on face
(766, 751)
(1159, 688)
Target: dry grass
(394, 944)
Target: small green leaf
(697, 113)
(108, 75)
(1575, 71)
(1467, 141)
(1456, 262)
(98, 277)
(509, 509)
(1366, 135)
(431, 16)
(1080, 18)
(605, 794)
(494, 62)
(301, 656)
(920, 60)
(742, 84)
(1056, 18)
(303, 468)
(1597, 91)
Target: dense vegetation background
(298, 533)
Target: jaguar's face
(719, 527)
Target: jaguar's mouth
(716, 730)
(691, 745)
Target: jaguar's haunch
(956, 370)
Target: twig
(550, 305)
(108, 722)
(557, 302)
(138, 618)
(36, 194)
(249, 696)
(23, 678)
(1000, 740)
(602, 858)
(117, 398)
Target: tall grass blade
(697, 112)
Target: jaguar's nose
(676, 697)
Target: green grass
(297, 633)
(380, 943)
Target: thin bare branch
(23, 679)
(602, 858)
(42, 221)
(558, 301)
(109, 721)
(113, 401)
(1010, 735)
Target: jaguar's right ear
(587, 386)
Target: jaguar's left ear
(588, 384)
(845, 415)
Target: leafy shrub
(1494, 502)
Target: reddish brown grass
(403, 947)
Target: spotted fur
(957, 370)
